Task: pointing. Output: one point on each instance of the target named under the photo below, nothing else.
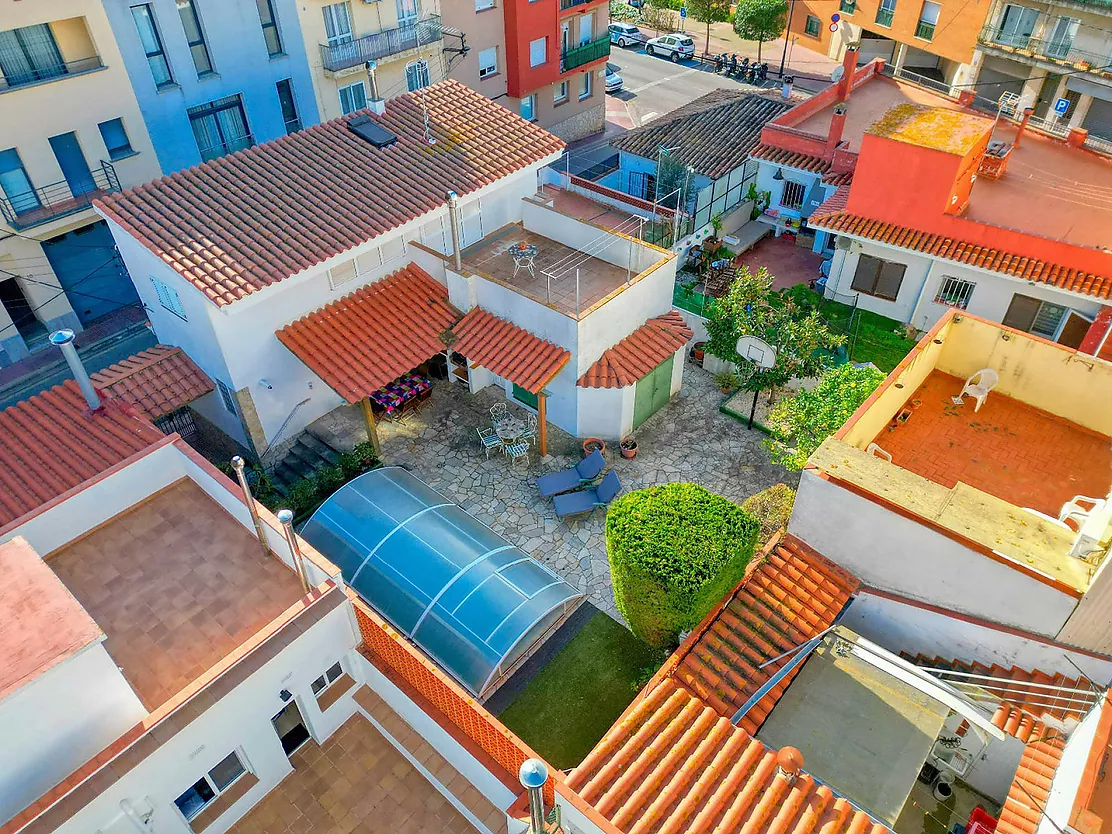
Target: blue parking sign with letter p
(1062, 106)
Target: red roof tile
(375, 334)
(791, 159)
(43, 623)
(638, 353)
(674, 764)
(1042, 753)
(832, 217)
(250, 219)
(507, 350)
(50, 443)
(157, 381)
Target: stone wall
(583, 123)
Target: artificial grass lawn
(574, 700)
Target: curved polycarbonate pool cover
(470, 599)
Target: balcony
(41, 205)
(228, 146)
(52, 72)
(925, 30)
(585, 53)
(380, 45)
(571, 4)
(884, 17)
(1055, 50)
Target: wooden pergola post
(372, 430)
(542, 423)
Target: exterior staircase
(307, 456)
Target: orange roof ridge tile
(507, 350)
(638, 353)
(158, 381)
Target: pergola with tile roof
(158, 381)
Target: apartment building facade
(72, 130)
(212, 78)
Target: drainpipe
(63, 340)
(533, 775)
(241, 475)
(453, 216)
(285, 517)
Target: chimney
(285, 518)
(786, 87)
(240, 467)
(453, 217)
(374, 103)
(1077, 137)
(849, 67)
(533, 775)
(63, 340)
(789, 764)
(1027, 111)
(834, 135)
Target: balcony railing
(884, 17)
(41, 205)
(1047, 49)
(571, 4)
(40, 75)
(586, 53)
(381, 44)
(226, 147)
(925, 30)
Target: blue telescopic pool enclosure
(471, 600)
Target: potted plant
(727, 381)
(592, 444)
(628, 448)
(698, 350)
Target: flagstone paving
(687, 440)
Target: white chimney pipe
(453, 217)
(63, 340)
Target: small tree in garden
(708, 12)
(801, 422)
(760, 20)
(674, 551)
(771, 508)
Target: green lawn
(567, 708)
(880, 340)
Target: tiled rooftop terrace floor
(787, 263)
(1008, 449)
(176, 584)
(354, 783)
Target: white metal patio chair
(518, 452)
(498, 412)
(978, 386)
(490, 440)
(530, 433)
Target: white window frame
(169, 299)
(326, 676)
(208, 779)
(337, 16)
(227, 398)
(491, 66)
(418, 75)
(339, 93)
(538, 52)
(532, 108)
(586, 85)
(561, 93)
(955, 292)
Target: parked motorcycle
(731, 70)
(762, 72)
(719, 62)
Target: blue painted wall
(241, 63)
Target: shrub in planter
(771, 508)
(674, 551)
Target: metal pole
(753, 410)
(577, 291)
(629, 263)
(787, 37)
(240, 467)
(533, 774)
(286, 519)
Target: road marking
(665, 79)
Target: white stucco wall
(1067, 778)
(606, 413)
(887, 551)
(60, 720)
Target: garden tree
(751, 308)
(771, 508)
(760, 20)
(708, 12)
(801, 422)
(674, 551)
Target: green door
(652, 392)
(523, 396)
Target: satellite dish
(837, 73)
(757, 351)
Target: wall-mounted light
(285, 695)
(779, 175)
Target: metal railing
(1098, 143)
(41, 205)
(237, 143)
(571, 4)
(1055, 127)
(916, 78)
(1059, 51)
(924, 30)
(1037, 699)
(341, 56)
(40, 75)
(586, 53)
(884, 17)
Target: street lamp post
(787, 37)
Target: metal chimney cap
(61, 337)
(452, 195)
(533, 773)
(285, 516)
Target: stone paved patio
(688, 440)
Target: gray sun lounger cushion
(568, 479)
(587, 500)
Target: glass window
(194, 37)
(928, 19)
(270, 28)
(289, 106)
(847, 6)
(813, 26)
(528, 108)
(417, 74)
(407, 12)
(15, 182)
(209, 786)
(488, 61)
(878, 277)
(955, 292)
(227, 396)
(483, 5)
(152, 44)
(585, 85)
(220, 127)
(330, 676)
(337, 24)
(29, 54)
(886, 12)
(168, 298)
(392, 250)
(115, 139)
(353, 97)
(561, 92)
(226, 772)
(538, 52)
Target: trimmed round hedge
(674, 551)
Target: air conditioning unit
(842, 243)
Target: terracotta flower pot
(629, 449)
(698, 351)
(592, 443)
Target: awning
(507, 350)
(638, 353)
(157, 381)
(376, 334)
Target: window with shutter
(878, 277)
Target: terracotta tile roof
(638, 353)
(790, 159)
(833, 217)
(248, 220)
(714, 132)
(375, 334)
(157, 381)
(674, 764)
(42, 623)
(1042, 753)
(50, 443)
(507, 350)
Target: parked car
(626, 34)
(671, 46)
(613, 80)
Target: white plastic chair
(1075, 510)
(978, 386)
(873, 449)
